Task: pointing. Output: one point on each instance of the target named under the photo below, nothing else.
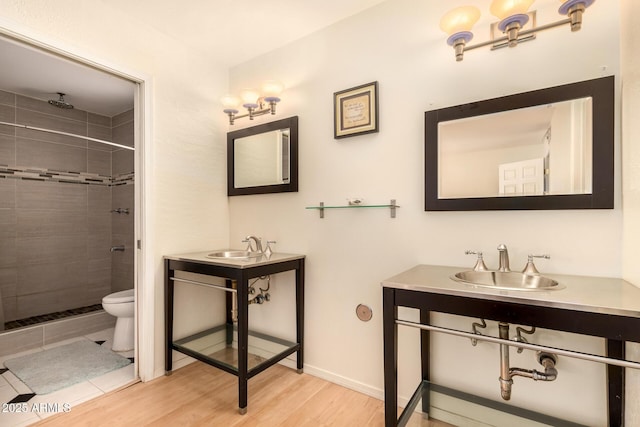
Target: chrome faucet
(480, 265)
(257, 241)
(530, 268)
(504, 258)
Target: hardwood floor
(199, 395)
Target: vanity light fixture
(256, 103)
(513, 15)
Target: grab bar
(558, 351)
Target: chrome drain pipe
(548, 360)
(264, 295)
(505, 372)
(234, 302)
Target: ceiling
(234, 31)
(231, 31)
(523, 126)
(37, 74)
(254, 27)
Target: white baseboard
(181, 360)
(344, 382)
(351, 384)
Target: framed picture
(355, 111)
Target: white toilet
(121, 305)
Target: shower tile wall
(122, 196)
(55, 237)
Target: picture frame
(355, 111)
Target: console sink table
(211, 346)
(602, 307)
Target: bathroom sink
(510, 280)
(234, 254)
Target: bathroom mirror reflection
(263, 159)
(538, 150)
(546, 149)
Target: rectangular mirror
(263, 159)
(546, 149)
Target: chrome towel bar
(558, 351)
(208, 285)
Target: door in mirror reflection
(540, 150)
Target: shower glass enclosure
(64, 203)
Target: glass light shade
(575, 1)
(272, 88)
(459, 19)
(568, 4)
(249, 97)
(230, 102)
(502, 9)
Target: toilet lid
(119, 297)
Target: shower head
(60, 102)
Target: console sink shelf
(232, 346)
(608, 308)
(392, 206)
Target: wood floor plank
(200, 395)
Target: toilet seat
(119, 297)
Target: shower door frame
(143, 257)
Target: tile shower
(57, 194)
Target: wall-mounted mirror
(263, 159)
(546, 149)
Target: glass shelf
(392, 206)
(459, 408)
(219, 347)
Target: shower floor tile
(39, 407)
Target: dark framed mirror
(546, 149)
(263, 159)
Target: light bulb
(503, 9)
(457, 23)
(460, 19)
(230, 103)
(249, 98)
(272, 88)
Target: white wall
(188, 176)
(630, 38)
(398, 44)
(258, 160)
(630, 68)
(569, 162)
(476, 173)
(349, 252)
